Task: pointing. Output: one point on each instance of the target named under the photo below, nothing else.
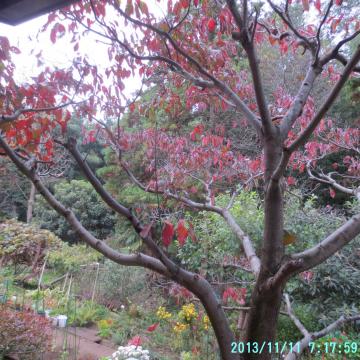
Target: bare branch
(329, 246)
(293, 317)
(299, 102)
(327, 179)
(303, 344)
(334, 54)
(245, 240)
(287, 20)
(305, 135)
(12, 117)
(341, 58)
(282, 275)
(319, 31)
(246, 41)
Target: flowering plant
(162, 314)
(188, 313)
(130, 352)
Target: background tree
(81, 197)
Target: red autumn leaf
(57, 31)
(196, 3)
(197, 131)
(136, 341)
(184, 3)
(318, 5)
(272, 40)
(230, 293)
(211, 25)
(182, 232)
(291, 181)
(167, 233)
(338, 2)
(305, 5)
(254, 165)
(152, 327)
(144, 8)
(334, 24)
(332, 193)
(132, 107)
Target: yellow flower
(180, 327)
(206, 322)
(188, 312)
(162, 313)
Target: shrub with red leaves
(23, 333)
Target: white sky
(25, 37)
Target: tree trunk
(265, 302)
(31, 201)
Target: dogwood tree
(198, 56)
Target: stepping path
(88, 345)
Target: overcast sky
(27, 38)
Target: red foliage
(152, 327)
(24, 332)
(182, 232)
(58, 30)
(237, 295)
(180, 293)
(211, 25)
(136, 341)
(167, 233)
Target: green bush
(70, 257)
(86, 314)
(22, 243)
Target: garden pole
(96, 279)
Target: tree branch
(246, 41)
(305, 135)
(327, 179)
(293, 317)
(245, 240)
(12, 117)
(318, 47)
(329, 246)
(341, 58)
(299, 102)
(303, 344)
(286, 19)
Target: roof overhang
(14, 12)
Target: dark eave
(14, 12)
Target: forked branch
(304, 343)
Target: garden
(73, 300)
